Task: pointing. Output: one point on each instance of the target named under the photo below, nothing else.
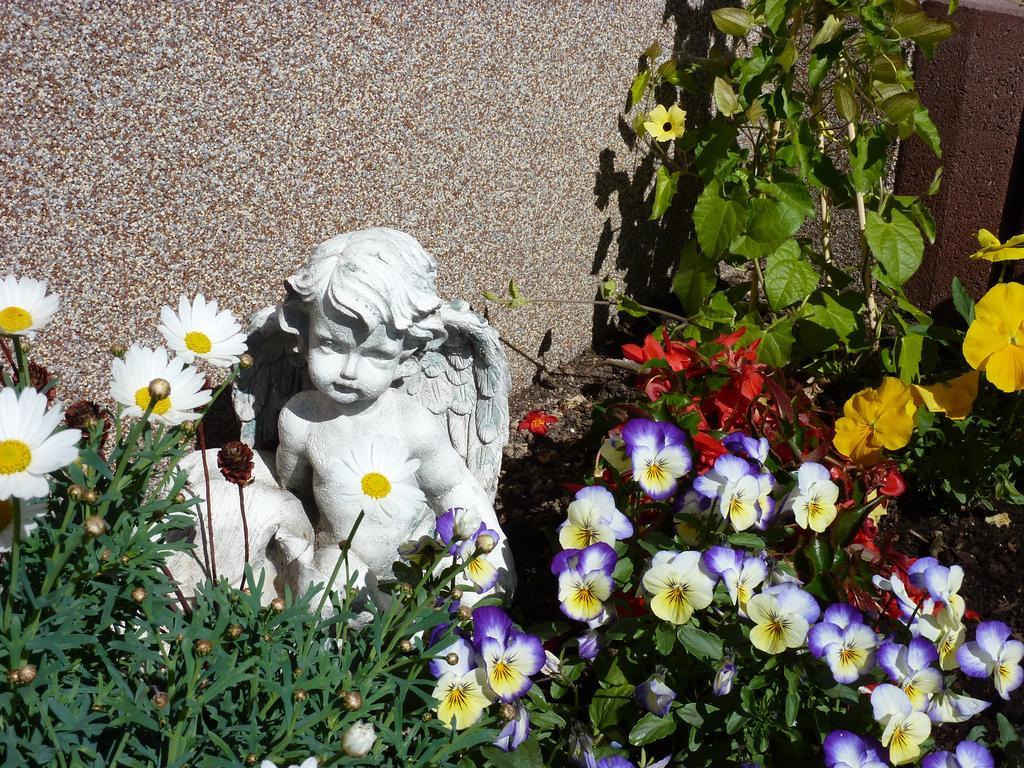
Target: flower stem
(15, 559)
(245, 528)
(22, 358)
(201, 436)
(122, 461)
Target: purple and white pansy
(846, 749)
(813, 500)
(515, 731)
(740, 572)
(844, 641)
(593, 517)
(909, 667)
(659, 456)
(969, 754)
(510, 657)
(584, 580)
(993, 653)
(654, 696)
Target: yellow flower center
(15, 456)
(198, 342)
(6, 513)
(777, 625)
(142, 399)
(585, 597)
(678, 594)
(900, 738)
(656, 472)
(375, 485)
(458, 695)
(849, 655)
(501, 672)
(14, 319)
(815, 508)
(586, 535)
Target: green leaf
(829, 313)
(924, 30)
(630, 306)
(639, 86)
(769, 225)
(733, 21)
(650, 728)
(716, 220)
(846, 103)
(933, 188)
(792, 194)
(664, 638)
(607, 703)
(868, 156)
(1007, 733)
(896, 244)
(792, 694)
(775, 14)
(776, 343)
(725, 98)
(925, 128)
(788, 277)
(526, 755)
(717, 312)
(909, 361)
(900, 107)
(664, 190)
(746, 540)
(962, 301)
(700, 644)
(789, 54)
(695, 278)
(828, 32)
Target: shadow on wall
(647, 251)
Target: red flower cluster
(537, 422)
(682, 357)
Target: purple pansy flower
(909, 667)
(844, 641)
(745, 446)
(515, 732)
(654, 696)
(993, 653)
(659, 456)
(584, 580)
(740, 572)
(845, 749)
(510, 657)
(969, 754)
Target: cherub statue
(379, 397)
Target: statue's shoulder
(298, 415)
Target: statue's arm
(293, 468)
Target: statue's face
(348, 363)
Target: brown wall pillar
(974, 90)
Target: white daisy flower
(29, 448)
(130, 379)
(199, 330)
(379, 477)
(25, 306)
(30, 511)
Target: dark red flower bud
(235, 462)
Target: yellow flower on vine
(874, 419)
(995, 340)
(665, 124)
(993, 250)
(955, 397)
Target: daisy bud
(26, 346)
(452, 658)
(159, 389)
(89, 496)
(203, 647)
(27, 674)
(485, 544)
(456, 594)
(406, 646)
(245, 361)
(234, 631)
(251, 759)
(75, 492)
(277, 604)
(159, 699)
(298, 672)
(352, 701)
(179, 498)
(405, 588)
(465, 613)
(427, 717)
(188, 427)
(13, 676)
(358, 739)
(95, 526)
(300, 695)
(507, 712)
(104, 555)
(118, 350)
(138, 594)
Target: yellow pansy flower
(953, 398)
(665, 124)
(874, 419)
(995, 340)
(993, 250)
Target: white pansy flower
(25, 307)
(378, 476)
(813, 501)
(30, 512)
(130, 378)
(29, 448)
(359, 739)
(200, 330)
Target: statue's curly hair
(375, 275)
